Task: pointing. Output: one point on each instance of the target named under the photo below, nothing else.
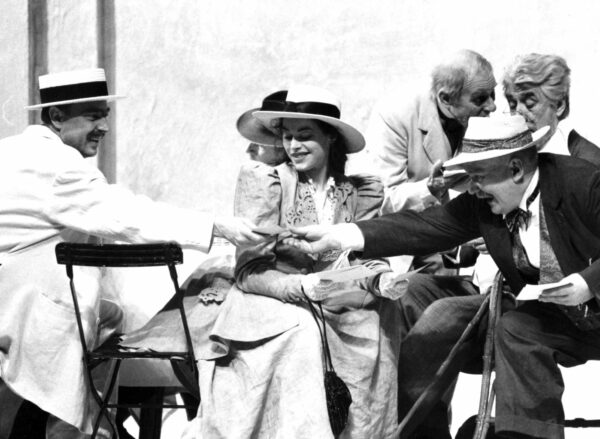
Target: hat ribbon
(317, 108)
(73, 91)
(521, 139)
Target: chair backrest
(123, 255)
(119, 255)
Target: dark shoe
(30, 422)
(467, 430)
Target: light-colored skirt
(269, 381)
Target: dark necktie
(519, 217)
(514, 220)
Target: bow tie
(520, 218)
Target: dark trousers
(531, 341)
(436, 310)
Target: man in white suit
(50, 193)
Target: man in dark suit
(556, 239)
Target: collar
(42, 131)
(329, 185)
(559, 142)
(532, 185)
(428, 114)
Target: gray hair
(549, 73)
(453, 73)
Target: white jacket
(49, 193)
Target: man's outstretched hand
(238, 231)
(317, 239)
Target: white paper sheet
(533, 292)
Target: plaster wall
(189, 68)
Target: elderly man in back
(407, 139)
(49, 194)
(408, 143)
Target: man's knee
(422, 290)
(508, 329)
(445, 318)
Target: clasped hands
(308, 239)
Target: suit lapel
(551, 198)
(435, 142)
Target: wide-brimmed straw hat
(308, 102)
(255, 129)
(490, 137)
(73, 87)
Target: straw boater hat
(72, 87)
(307, 102)
(490, 137)
(256, 130)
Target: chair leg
(486, 396)
(191, 405)
(151, 417)
(487, 420)
(113, 373)
(435, 390)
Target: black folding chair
(183, 362)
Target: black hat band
(73, 91)
(316, 108)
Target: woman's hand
(317, 289)
(291, 296)
(392, 286)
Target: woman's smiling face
(306, 144)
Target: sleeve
(433, 230)
(591, 274)
(388, 140)
(368, 203)
(82, 200)
(258, 198)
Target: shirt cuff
(352, 237)
(194, 230)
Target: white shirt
(324, 201)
